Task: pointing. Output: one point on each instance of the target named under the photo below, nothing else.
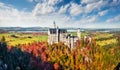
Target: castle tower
(72, 42)
(69, 42)
(49, 38)
(54, 24)
(79, 34)
(57, 34)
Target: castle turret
(49, 36)
(57, 34)
(72, 41)
(54, 24)
(79, 34)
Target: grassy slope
(23, 38)
(102, 39)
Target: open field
(23, 38)
(13, 39)
(104, 39)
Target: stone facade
(56, 35)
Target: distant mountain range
(23, 28)
(46, 28)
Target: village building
(56, 35)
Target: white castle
(56, 35)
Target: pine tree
(3, 47)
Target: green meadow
(19, 38)
(13, 39)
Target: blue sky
(66, 13)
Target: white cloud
(43, 8)
(49, 2)
(91, 5)
(102, 13)
(10, 16)
(30, 0)
(53, 2)
(88, 1)
(115, 19)
(89, 19)
(115, 3)
(75, 9)
(95, 6)
(1, 4)
(63, 9)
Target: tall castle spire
(54, 24)
(79, 33)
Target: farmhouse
(56, 35)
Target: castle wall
(62, 37)
(52, 38)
